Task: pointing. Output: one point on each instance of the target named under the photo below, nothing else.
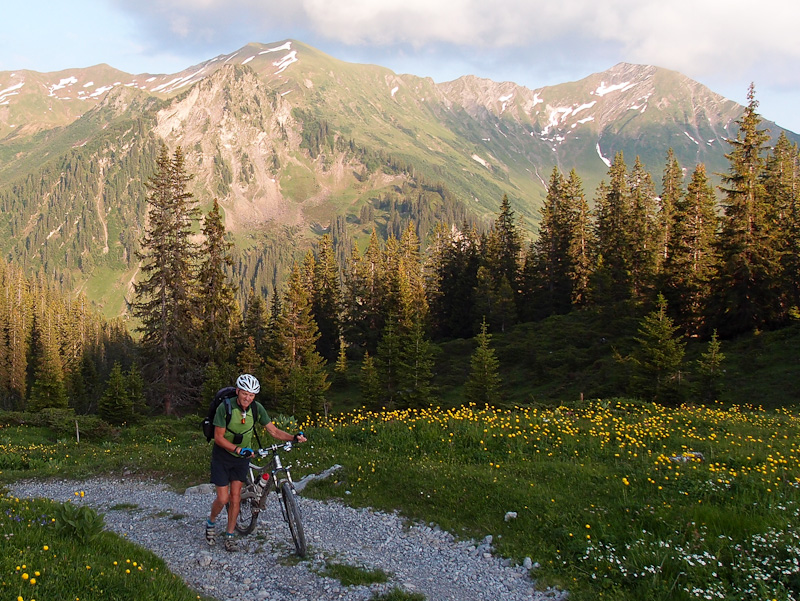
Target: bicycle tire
(292, 515)
(247, 519)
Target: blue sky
(724, 44)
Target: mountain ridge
(294, 142)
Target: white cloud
(692, 36)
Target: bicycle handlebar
(286, 446)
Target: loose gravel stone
(418, 557)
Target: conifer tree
(614, 234)
(414, 273)
(581, 242)
(389, 364)
(658, 358)
(248, 361)
(48, 389)
(691, 261)
(417, 360)
(15, 334)
(671, 194)
(483, 385)
(296, 367)
(216, 305)
(455, 268)
(548, 268)
(370, 383)
(504, 245)
(364, 297)
(782, 188)
(256, 322)
(710, 372)
(134, 382)
(115, 406)
(165, 295)
(746, 290)
(340, 369)
(643, 233)
(326, 301)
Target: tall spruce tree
(364, 307)
(216, 301)
(165, 295)
(690, 263)
(455, 267)
(644, 236)
(671, 194)
(613, 281)
(256, 322)
(581, 242)
(48, 389)
(504, 246)
(548, 269)
(296, 366)
(782, 187)
(327, 298)
(746, 290)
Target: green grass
(609, 501)
(39, 562)
(600, 505)
(353, 575)
(398, 595)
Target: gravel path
(418, 558)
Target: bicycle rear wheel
(292, 515)
(247, 519)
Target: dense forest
(685, 264)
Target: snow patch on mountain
(394, 90)
(600, 154)
(504, 100)
(67, 81)
(10, 91)
(475, 157)
(247, 60)
(284, 63)
(286, 46)
(100, 91)
(179, 82)
(691, 138)
(603, 89)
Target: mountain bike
(261, 480)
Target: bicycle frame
(278, 472)
(281, 480)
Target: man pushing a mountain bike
(234, 425)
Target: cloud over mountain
(699, 37)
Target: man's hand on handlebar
(299, 437)
(246, 452)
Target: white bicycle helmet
(248, 383)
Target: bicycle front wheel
(247, 519)
(292, 515)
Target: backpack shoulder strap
(228, 410)
(255, 421)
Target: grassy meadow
(614, 499)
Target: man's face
(245, 398)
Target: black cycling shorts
(226, 468)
